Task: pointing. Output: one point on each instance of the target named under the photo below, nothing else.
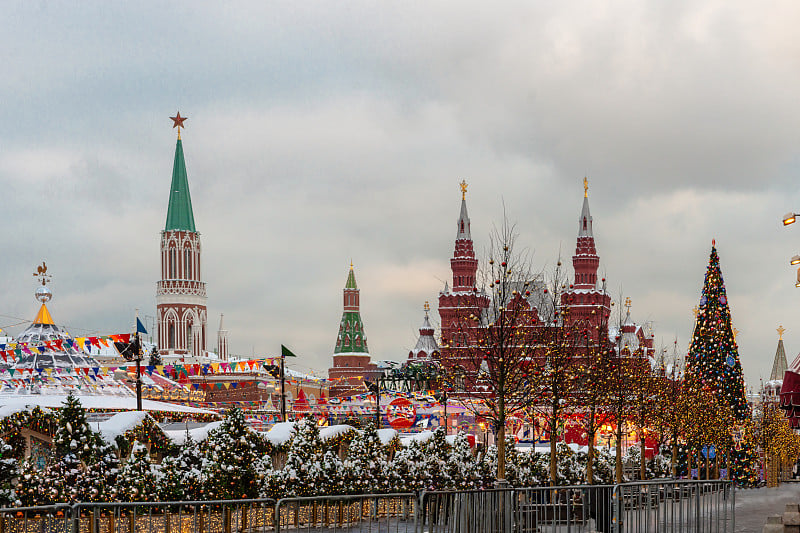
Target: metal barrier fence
(640, 507)
(662, 506)
(50, 518)
(385, 513)
(675, 506)
(221, 516)
(525, 510)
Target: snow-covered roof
(424, 436)
(120, 423)
(386, 435)
(334, 431)
(8, 410)
(280, 433)
(98, 402)
(197, 434)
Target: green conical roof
(179, 213)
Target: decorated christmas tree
(462, 469)
(9, 470)
(364, 469)
(73, 434)
(62, 480)
(232, 452)
(138, 479)
(30, 489)
(101, 476)
(713, 357)
(437, 450)
(182, 476)
(407, 470)
(302, 474)
(713, 364)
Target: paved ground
(753, 506)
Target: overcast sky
(321, 132)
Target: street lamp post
(375, 388)
(791, 218)
(277, 372)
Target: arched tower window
(173, 263)
(171, 335)
(187, 263)
(584, 223)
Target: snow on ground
(200, 434)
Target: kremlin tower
(465, 299)
(585, 301)
(181, 295)
(426, 348)
(351, 360)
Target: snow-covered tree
(73, 434)
(9, 470)
(462, 468)
(302, 473)
(332, 475)
(232, 452)
(139, 478)
(100, 479)
(30, 489)
(437, 450)
(182, 476)
(407, 470)
(364, 469)
(62, 480)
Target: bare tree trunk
(553, 452)
(674, 461)
(643, 468)
(590, 452)
(619, 453)
(501, 453)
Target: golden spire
(780, 331)
(585, 187)
(427, 307)
(463, 186)
(351, 264)
(628, 304)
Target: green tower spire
(179, 213)
(351, 338)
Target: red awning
(790, 397)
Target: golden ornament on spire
(427, 307)
(780, 331)
(628, 304)
(463, 186)
(585, 187)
